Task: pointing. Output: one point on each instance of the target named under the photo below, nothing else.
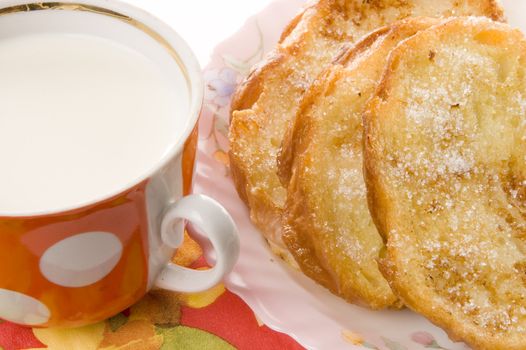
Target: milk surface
(80, 117)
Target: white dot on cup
(81, 260)
(23, 309)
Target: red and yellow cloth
(215, 319)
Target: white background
(203, 23)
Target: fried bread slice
(267, 100)
(445, 149)
(328, 228)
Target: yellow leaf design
(153, 343)
(84, 338)
(202, 299)
(188, 252)
(352, 337)
(133, 335)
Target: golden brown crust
(301, 246)
(322, 238)
(292, 25)
(292, 139)
(266, 102)
(441, 152)
(247, 93)
(263, 212)
(496, 11)
(238, 174)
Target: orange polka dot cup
(100, 103)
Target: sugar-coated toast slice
(327, 226)
(267, 100)
(445, 149)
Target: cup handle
(217, 225)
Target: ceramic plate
(282, 298)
